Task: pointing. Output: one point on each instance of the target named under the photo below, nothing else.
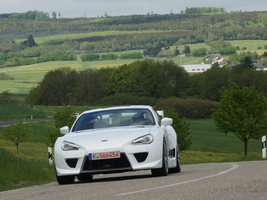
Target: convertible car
(116, 139)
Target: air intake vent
(72, 162)
(140, 157)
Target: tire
(85, 177)
(177, 169)
(163, 171)
(63, 180)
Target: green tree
(93, 85)
(186, 49)
(54, 15)
(181, 126)
(211, 82)
(30, 41)
(90, 57)
(227, 50)
(149, 78)
(65, 116)
(57, 87)
(52, 134)
(199, 52)
(242, 111)
(152, 50)
(133, 55)
(244, 63)
(5, 97)
(17, 134)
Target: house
(216, 59)
(197, 68)
(260, 67)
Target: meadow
(17, 112)
(29, 76)
(31, 166)
(80, 36)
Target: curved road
(240, 180)
(11, 122)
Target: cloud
(94, 8)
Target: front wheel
(164, 170)
(63, 180)
(85, 177)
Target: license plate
(104, 155)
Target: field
(249, 44)
(205, 137)
(69, 37)
(16, 112)
(27, 77)
(31, 166)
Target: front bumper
(133, 157)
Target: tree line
(202, 10)
(144, 78)
(226, 25)
(28, 52)
(157, 83)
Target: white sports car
(117, 139)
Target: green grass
(249, 44)
(79, 36)
(31, 166)
(205, 137)
(209, 145)
(16, 87)
(11, 112)
(17, 172)
(27, 77)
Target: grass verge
(11, 112)
(31, 166)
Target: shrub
(134, 55)
(126, 99)
(109, 56)
(199, 52)
(189, 108)
(90, 57)
(181, 126)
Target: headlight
(146, 139)
(67, 146)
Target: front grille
(107, 165)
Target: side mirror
(64, 130)
(166, 121)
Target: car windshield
(114, 118)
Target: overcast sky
(96, 8)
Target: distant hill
(252, 25)
(152, 35)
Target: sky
(97, 8)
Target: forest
(34, 37)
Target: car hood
(107, 138)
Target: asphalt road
(11, 122)
(240, 180)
